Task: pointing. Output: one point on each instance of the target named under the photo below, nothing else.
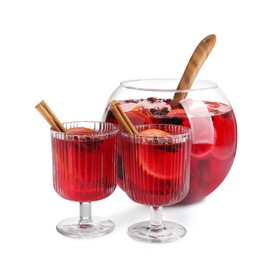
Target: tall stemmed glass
(156, 173)
(85, 170)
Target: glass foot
(98, 227)
(166, 232)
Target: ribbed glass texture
(85, 165)
(156, 168)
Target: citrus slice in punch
(153, 132)
(138, 118)
(177, 112)
(80, 130)
(156, 156)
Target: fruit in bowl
(205, 110)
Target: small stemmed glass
(156, 167)
(84, 160)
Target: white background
(73, 54)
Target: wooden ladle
(195, 63)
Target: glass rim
(115, 128)
(186, 134)
(206, 84)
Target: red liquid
(155, 174)
(214, 138)
(84, 169)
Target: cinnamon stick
(50, 117)
(195, 63)
(122, 118)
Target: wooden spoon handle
(196, 61)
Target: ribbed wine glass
(156, 173)
(84, 160)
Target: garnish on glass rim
(50, 117)
(122, 118)
(127, 125)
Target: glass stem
(85, 215)
(155, 218)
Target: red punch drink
(214, 138)
(84, 163)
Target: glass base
(98, 227)
(167, 232)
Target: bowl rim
(198, 85)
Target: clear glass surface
(204, 108)
(156, 230)
(84, 161)
(156, 173)
(86, 225)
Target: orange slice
(138, 118)
(155, 158)
(153, 132)
(79, 130)
(177, 112)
